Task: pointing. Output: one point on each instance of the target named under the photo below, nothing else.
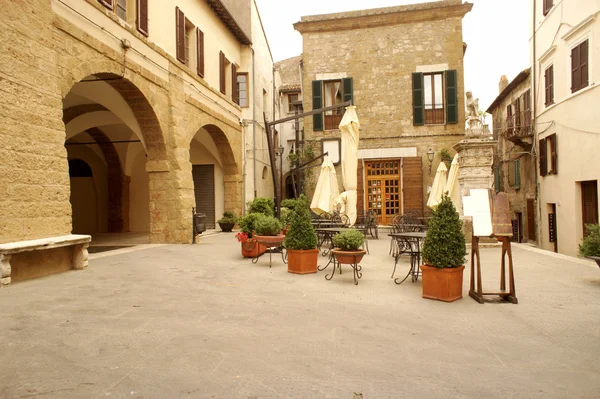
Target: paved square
(199, 321)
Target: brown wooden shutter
(142, 17)
(412, 185)
(517, 105)
(527, 112)
(235, 92)
(222, 72)
(547, 6)
(200, 52)
(553, 154)
(583, 64)
(107, 3)
(543, 160)
(575, 74)
(180, 34)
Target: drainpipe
(244, 160)
(253, 124)
(535, 134)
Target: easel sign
(491, 218)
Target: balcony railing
(518, 125)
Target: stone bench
(24, 260)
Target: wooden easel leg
(503, 266)
(512, 297)
(475, 292)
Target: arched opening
(214, 172)
(111, 128)
(289, 187)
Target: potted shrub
(590, 246)
(266, 206)
(348, 247)
(267, 231)
(227, 222)
(301, 240)
(250, 248)
(444, 252)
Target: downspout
(535, 135)
(253, 124)
(244, 160)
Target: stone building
(122, 115)
(403, 69)
(514, 160)
(565, 54)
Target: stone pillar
(80, 256)
(5, 270)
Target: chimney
(503, 83)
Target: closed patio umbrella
(349, 127)
(437, 189)
(326, 190)
(452, 186)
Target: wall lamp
(430, 155)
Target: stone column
(5, 270)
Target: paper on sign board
(477, 205)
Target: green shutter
(517, 174)
(317, 91)
(497, 178)
(418, 109)
(348, 88)
(451, 97)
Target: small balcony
(519, 127)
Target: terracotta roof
(289, 71)
(521, 77)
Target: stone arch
(140, 95)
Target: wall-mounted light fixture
(430, 155)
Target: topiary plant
(285, 216)
(301, 234)
(228, 217)
(267, 226)
(266, 206)
(590, 246)
(247, 223)
(350, 240)
(289, 203)
(444, 244)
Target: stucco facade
(380, 53)
(567, 133)
(80, 82)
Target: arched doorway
(214, 173)
(111, 127)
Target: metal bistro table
(411, 242)
(328, 233)
(273, 247)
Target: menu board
(478, 206)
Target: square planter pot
(302, 261)
(443, 284)
(252, 249)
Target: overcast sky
(496, 32)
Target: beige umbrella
(452, 186)
(326, 191)
(437, 189)
(349, 127)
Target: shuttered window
(543, 158)
(107, 3)
(549, 85)
(200, 52)
(348, 89)
(451, 97)
(579, 67)
(222, 78)
(142, 17)
(526, 113)
(317, 92)
(418, 108)
(547, 6)
(180, 34)
(235, 92)
(242, 87)
(429, 92)
(552, 145)
(517, 174)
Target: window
(526, 126)
(235, 92)
(189, 34)
(180, 35)
(517, 174)
(242, 87)
(579, 67)
(549, 85)
(200, 52)
(329, 93)
(107, 3)
(435, 98)
(122, 9)
(510, 120)
(497, 179)
(291, 146)
(543, 157)
(548, 149)
(142, 17)
(222, 72)
(547, 6)
(292, 98)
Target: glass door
(383, 189)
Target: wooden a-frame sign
(491, 218)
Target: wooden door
(383, 188)
(589, 202)
(412, 185)
(531, 219)
(204, 192)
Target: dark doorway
(204, 192)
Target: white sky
(496, 32)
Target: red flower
(242, 237)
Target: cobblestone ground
(199, 321)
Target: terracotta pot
(270, 241)
(252, 249)
(348, 257)
(302, 261)
(443, 284)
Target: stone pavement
(199, 321)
